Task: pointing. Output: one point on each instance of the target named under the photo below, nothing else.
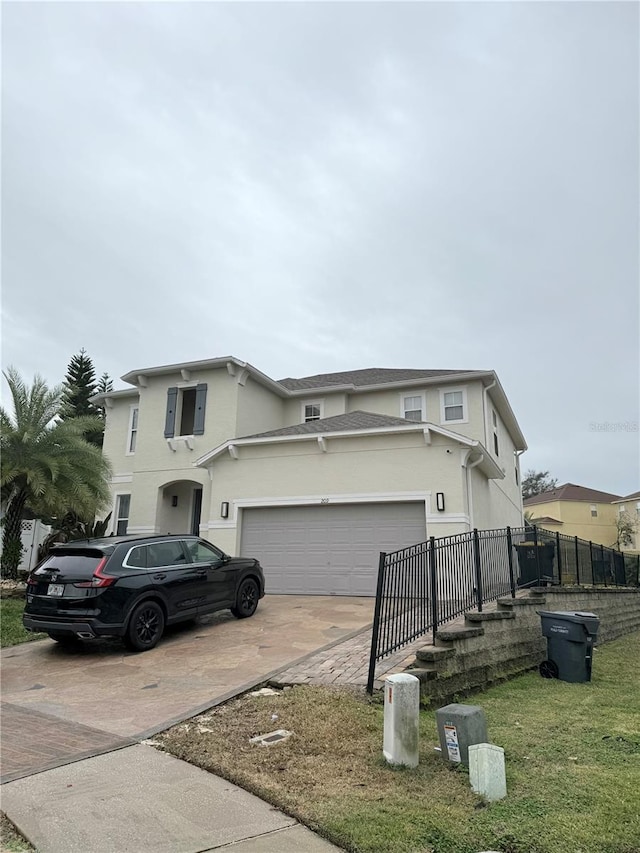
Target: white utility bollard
(486, 771)
(401, 719)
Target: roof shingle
(339, 423)
(368, 376)
(571, 492)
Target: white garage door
(328, 550)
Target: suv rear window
(75, 562)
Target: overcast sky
(331, 186)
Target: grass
(11, 630)
(572, 752)
(10, 839)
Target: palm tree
(47, 465)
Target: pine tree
(79, 386)
(105, 384)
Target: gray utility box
(460, 726)
(570, 638)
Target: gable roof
(368, 376)
(571, 492)
(339, 423)
(634, 496)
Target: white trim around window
(413, 407)
(132, 430)
(121, 513)
(455, 401)
(312, 410)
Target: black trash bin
(570, 638)
(535, 561)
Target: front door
(196, 512)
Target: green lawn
(11, 630)
(572, 753)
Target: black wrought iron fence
(421, 587)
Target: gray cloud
(316, 187)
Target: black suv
(131, 587)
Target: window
(594, 511)
(453, 406)
(162, 554)
(186, 409)
(311, 411)
(203, 553)
(123, 505)
(412, 408)
(133, 430)
(136, 558)
(494, 419)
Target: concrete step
(522, 602)
(490, 616)
(433, 654)
(449, 635)
(423, 673)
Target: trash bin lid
(579, 616)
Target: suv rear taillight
(99, 579)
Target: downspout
(485, 391)
(469, 490)
(518, 454)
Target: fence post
(375, 633)
(593, 577)
(604, 571)
(512, 581)
(476, 559)
(577, 562)
(536, 551)
(559, 555)
(638, 570)
(434, 587)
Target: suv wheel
(246, 600)
(145, 627)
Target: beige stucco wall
(493, 503)
(259, 410)
(364, 468)
(577, 520)
(116, 433)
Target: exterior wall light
(174, 500)
(224, 509)
(440, 501)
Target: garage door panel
(328, 550)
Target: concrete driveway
(60, 706)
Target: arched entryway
(179, 507)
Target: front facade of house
(578, 511)
(313, 476)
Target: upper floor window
(133, 430)
(453, 406)
(312, 411)
(494, 420)
(185, 410)
(594, 511)
(412, 408)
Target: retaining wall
(506, 639)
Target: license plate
(56, 589)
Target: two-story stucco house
(314, 476)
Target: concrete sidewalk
(138, 799)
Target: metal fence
(421, 587)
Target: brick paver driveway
(114, 696)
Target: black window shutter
(201, 403)
(170, 421)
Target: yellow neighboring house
(630, 508)
(577, 511)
